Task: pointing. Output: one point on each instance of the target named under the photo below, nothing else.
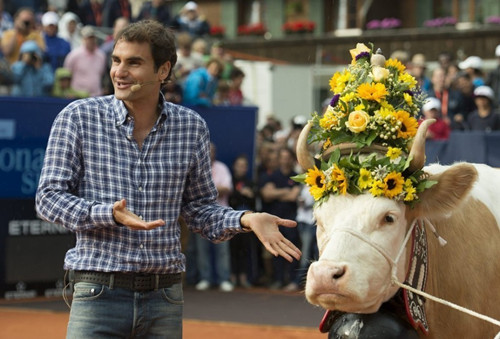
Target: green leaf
(299, 178)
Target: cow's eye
(389, 219)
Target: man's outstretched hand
(126, 218)
(266, 228)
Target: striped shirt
(92, 161)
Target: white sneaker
(203, 285)
(226, 286)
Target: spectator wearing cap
(440, 129)
(473, 65)
(62, 86)
(87, 64)
(56, 47)
(189, 20)
(24, 30)
(493, 78)
(485, 118)
(32, 76)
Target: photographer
(32, 76)
(24, 30)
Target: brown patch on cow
(466, 272)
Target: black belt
(130, 281)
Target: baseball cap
(30, 46)
(484, 91)
(432, 103)
(88, 31)
(471, 62)
(50, 18)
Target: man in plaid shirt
(119, 170)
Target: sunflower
(396, 64)
(315, 177)
(317, 192)
(375, 92)
(393, 184)
(409, 125)
(365, 178)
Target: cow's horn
(304, 157)
(417, 152)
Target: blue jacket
(57, 50)
(199, 88)
(30, 82)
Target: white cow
(359, 235)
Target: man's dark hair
(161, 40)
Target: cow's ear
(451, 189)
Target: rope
(447, 303)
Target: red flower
(252, 29)
(217, 30)
(299, 26)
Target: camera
(33, 57)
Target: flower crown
(374, 110)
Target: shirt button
(129, 137)
(141, 246)
(140, 217)
(140, 188)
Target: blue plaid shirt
(92, 161)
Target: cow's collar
(416, 277)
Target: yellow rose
(379, 73)
(358, 50)
(357, 122)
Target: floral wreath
(374, 108)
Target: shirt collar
(121, 112)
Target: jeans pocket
(87, 291)
(173, 294)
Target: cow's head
(360, 236)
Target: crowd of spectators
(76, 38)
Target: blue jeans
(216, 256)
(100, 312)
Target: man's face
(25, 21)
(50, 30)
(90, 43)
(132, 63)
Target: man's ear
(164, 70)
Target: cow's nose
(338, 272)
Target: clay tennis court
(242, 314)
